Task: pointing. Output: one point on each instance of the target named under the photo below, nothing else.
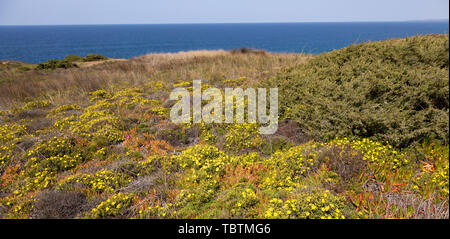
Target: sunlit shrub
(99, 94)
(243, 136)
(93, 124)
(56, 146)
(53, 155)
(203, 157)
(10, 134)
(54, 64)
(37, 104)
(239, 201)
(64, 108)
(101, 181)
(313, 204)
(130, 98)
(38, 181)
(94, 57)
(157, 211)
(288, 166)
(112, 207)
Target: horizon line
(199, 23)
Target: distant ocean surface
(34, 44)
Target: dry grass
(71, 85)
(182, 55)
(93, 63)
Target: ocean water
(34, 44)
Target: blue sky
(60, 12)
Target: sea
(35, 44)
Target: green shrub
(243, 136)
(395, 90)
(95, 57)
(239, 201)
(311, 204)
(10, 134)
(114, 207)
(101, 181)
(37, 104)
(53, 64)
(64, 108)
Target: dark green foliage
(395, 90)
(95, 57)
(68, 61)
(53, 64)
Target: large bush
(53, 64)
(395, 90)
(95, 57)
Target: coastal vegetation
(69, 61)
(363, 133)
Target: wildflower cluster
(19, 208)
(203, 158)
(101, 181)
(148, 165)
(244, 198)
(54, 163)
(287, 166)
(39, 180)
(203, 165)
(53, 155)
(64, 108)
(195, 194)
(315, 204)
(93, 123)
(160, 111)
(112, 207)
(45, 159)
(157, 211)
(37, 104)
(56, 146)
(130, 98)
(207, 133)
(375, 152)
(98, 124)
(100, 119)
(247, 159)
(99, 94)
(10, 134)
(243, 136)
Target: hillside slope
(97, 142)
